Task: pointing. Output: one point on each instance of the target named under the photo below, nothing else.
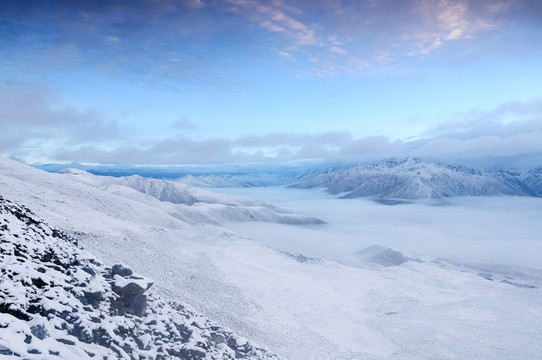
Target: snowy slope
(163, 190)
(57, 301)
(376, 307)
(412, 178)
(190, 205)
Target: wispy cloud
(195, 39)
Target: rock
(121, 270)
(117, 308)
(91, 298)
(193, 354)
(5, 351)
(39, 331)
(88, 270)
(65, 341)
(132, 299)
(144, 342)
(81, 334)
(217, 338)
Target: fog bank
(492, 230)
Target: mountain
(413, 178)
(384, 305)
(58, 301)
(264, 177)
(190, 205)
(533, 180)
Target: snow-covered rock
(57, 301)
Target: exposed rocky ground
(58, 301)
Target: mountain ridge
(413, 178)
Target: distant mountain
(266, 177)
(533, 180)
(58, 301)
(186, 203)
(412, 178)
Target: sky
(203, 82)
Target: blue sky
(239, 81)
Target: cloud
(32, 113)
(197, 41)
(273, 17)
(184, 124)
(275, 147)
(507, 119)
(338, 50)
(506, 133)
(286, 55)
(334, 138)
(493, 230)
(483, 147)
(476, 138)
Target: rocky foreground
(58, 301)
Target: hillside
(57, 301)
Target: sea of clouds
(489, 230)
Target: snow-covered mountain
(57, 301)
(191, 205)
(270, 177)
(533, 180)
(413, 178)
(385, 304)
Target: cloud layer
(47, 130)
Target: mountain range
(391, 180)
(412, 178)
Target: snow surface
(295, 306)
